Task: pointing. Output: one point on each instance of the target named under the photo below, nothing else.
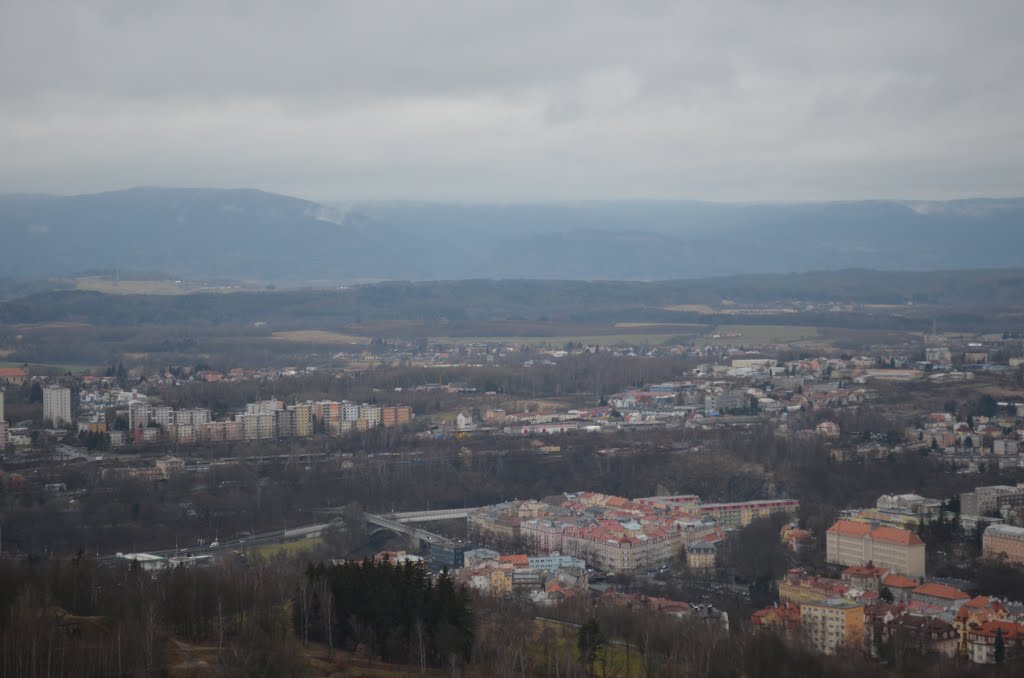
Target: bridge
(414, 533)
(428, 516)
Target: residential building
(303, 413)
(740, 514)
(1, 406)
(899, 551)
(396, 415)
(163, 416)
(14, 376)
(867, 577)
(914, 634)
(940, 595)
(139, 415)
(981, 640)
(1003, 541)
(3, 433)
(832, 625)
(701, 555)
(782, 619)
(57, 405)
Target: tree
(999, 647)
(885, 595)
(589, 641)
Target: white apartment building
(57, 405)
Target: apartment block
(57, 405)
(829, 626)
(303, 414)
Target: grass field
(690, 308)
(763, 334)
(656, 328)
(320, 337)
(652, 339)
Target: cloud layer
(524, 100)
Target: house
(899, 586)
(920, 635)
(700, 555)
(983, 639)
(783, 619)
(14, 376)
(940, 594)
(867, 577)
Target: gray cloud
(469, 100)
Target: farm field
(158, 287)
(764, 334)
(48, 368)
(320, 337)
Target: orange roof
(518, 559)
(893, 535)
(869, 570)
(940, 591)
(616, 501)
(980, 601)
(898, 581)
(13, 373)
(1011, 630)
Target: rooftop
(893, 535)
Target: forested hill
(252, 235)
(980, 293)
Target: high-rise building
(57, 405)
(139, 414)
(303, 419)
(1, 406)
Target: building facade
(832, 625)
(899, 551)
(57, 405)
(1003, 541)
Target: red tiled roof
(940, 591)
(13, 373)
(898, 581)
(893, 535)
(868, 570)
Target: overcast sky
(483, 100)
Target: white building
(57, 405)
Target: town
(930, 571)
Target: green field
(762, 334)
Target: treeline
(396, 612)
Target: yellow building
(499, 582)
(303, 419)
(829, 626)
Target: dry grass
(320, 337)
(762, 334)
(690, 308)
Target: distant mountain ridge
(253, 235)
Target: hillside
(255, 236)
